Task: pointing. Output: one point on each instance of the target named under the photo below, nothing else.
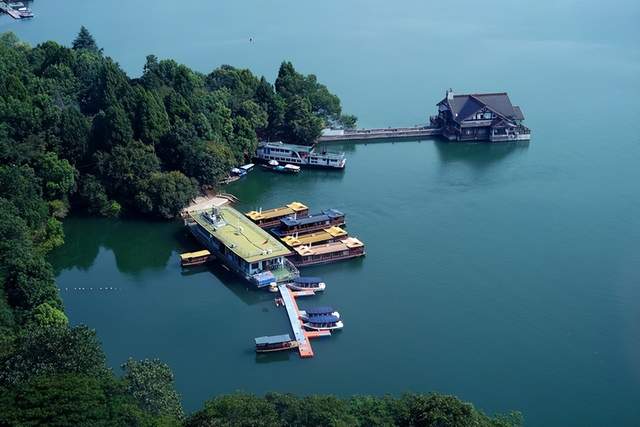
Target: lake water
(507, 275)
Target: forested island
(77, 134)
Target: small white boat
(307, 284)
(292, 168)
(273, 163)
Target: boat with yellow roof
(271, 217)
(306, 255)
(327, 235)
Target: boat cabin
(331, 234)
(329, 252)
(196, 258)
(274, 343)
(323, 322)
(271, 217)
(292, 225)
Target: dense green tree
(73, 133)
(151, 119)
(54, 350)
(301, 126)
(208, 162)
(126, 168)
(151, 384)
(235, 410)
(57, 176)
(166, 193)
(112, 127)
(28, 282)
(84, 40)
(93, 197)
(47, 316)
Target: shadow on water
(138, 245)
(352, 146)
(275, 357)
(239, 287)
(478, 155)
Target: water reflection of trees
(136, 244)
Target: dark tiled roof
(463, 106)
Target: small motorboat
(275, 343)
(311, 313)
(307, 284)
(291, 168)
(275, 166)
(326, 322)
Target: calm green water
(507, 275)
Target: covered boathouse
(480, 117)
(241, 245)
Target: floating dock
(289, 300)
(4, 7)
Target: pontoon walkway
(302, 336)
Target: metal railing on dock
(382, 133)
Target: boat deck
(302, 336)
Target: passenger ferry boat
(321, 254)
(271, 217)
(299, 155)
(307, 284)
(312, 313)
(269, 344)
(292, 225)
(326, 322)
(327, 235)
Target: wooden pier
(5, 8)
(381, 133)
(302, 337)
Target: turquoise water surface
(505, 274)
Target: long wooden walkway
(382, 133)
(302, 336)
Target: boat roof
(201, 253)
(247, 166)
(328, 318)
(319, 310)
(325, 215)
(316, 237)
(239, 234)
(273, 339)
(290, 209)
(342, 245)
(307, 279)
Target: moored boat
(301, 155)
(271, 217)
(275, 166)
(196, 258)
(272, 343)
(326, 235)
(312, 313)
(326, 322)
(292, 225)
(329, 252)
(307, 284)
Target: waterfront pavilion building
(242, 245)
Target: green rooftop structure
(242, 245)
